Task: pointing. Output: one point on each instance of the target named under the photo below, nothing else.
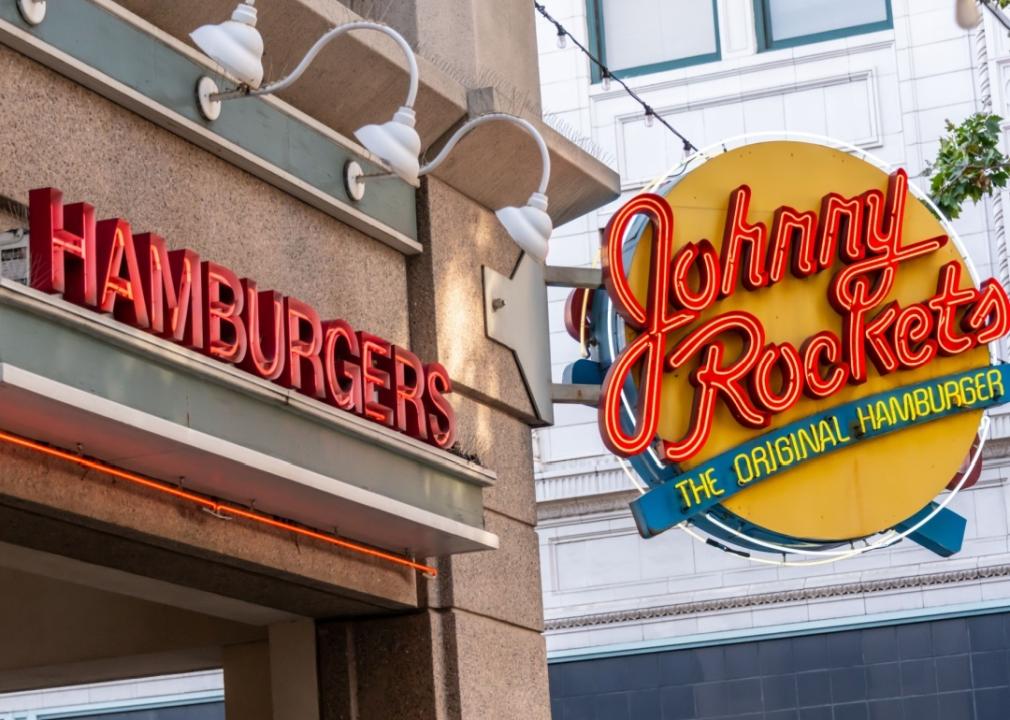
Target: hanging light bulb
(235, 44)
(606, 81)
(967, 14)
(562, 40)
(648, 118)
(529, 226)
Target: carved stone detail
(777, 598)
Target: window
(785, 23)
(635, 37)
(202, 711)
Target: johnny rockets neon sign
(204, 306)
(865, 232)
(732, 349)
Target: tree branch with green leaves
(969, 164)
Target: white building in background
(190, 696)
(883, 75)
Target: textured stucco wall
(479, 643)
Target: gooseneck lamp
(530, 226)
(237, 46)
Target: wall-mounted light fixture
(33, 11)
(237, 46)
(530, 226)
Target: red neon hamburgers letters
(207, 307)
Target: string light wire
(608, 77)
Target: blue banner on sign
(714, 481)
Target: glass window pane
(796, 18)
(644, 32)
(209, 711)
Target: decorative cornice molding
(600, 462)
(589, 505)
(998, 444)
(779, 598)
(577, 482)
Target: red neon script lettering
(762, 379)
(207, 307)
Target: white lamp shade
(396, 142)
(236, 45)
(530, 226)
(967, 14)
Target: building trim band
(779, 598)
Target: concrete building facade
(165, 512)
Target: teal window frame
(763, 29)
(598, 46)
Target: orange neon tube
(214, 505)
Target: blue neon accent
(943, 535)
(583, 372)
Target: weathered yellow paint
(857, 491)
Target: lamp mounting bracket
(210, 106)
(33, 11)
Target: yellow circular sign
(858, 490)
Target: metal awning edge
(464, 537)
(17, 295)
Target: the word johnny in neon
(203, 305)
(863, 232)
